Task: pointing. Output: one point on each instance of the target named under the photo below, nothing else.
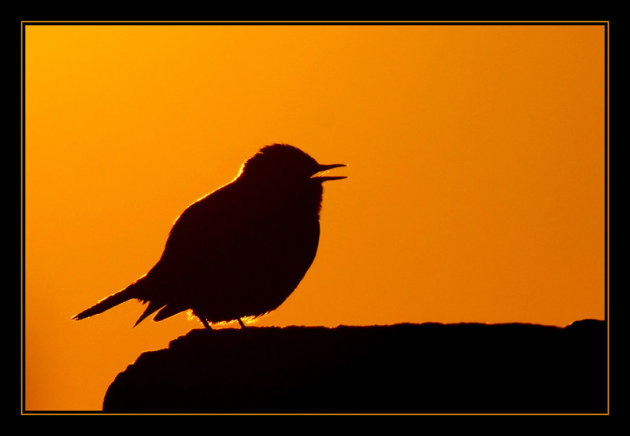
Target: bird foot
(205, 323)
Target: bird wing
(199, 250)
(204, 230)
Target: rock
(403, 368)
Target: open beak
(322, 168)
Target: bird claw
(205, 322)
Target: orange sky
(475, 188)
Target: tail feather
(152, 307)
(167, 311)
(109, 302)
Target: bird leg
(204, 322)
(241, 323)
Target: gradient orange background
(475, 188)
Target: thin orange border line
(300, 22)
(23, 23)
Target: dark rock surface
(404, 368)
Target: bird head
(283, 163)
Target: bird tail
(106, 303)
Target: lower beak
(322, 168)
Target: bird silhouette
(240, 250)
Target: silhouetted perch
(406, 368)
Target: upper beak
(326, 168)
